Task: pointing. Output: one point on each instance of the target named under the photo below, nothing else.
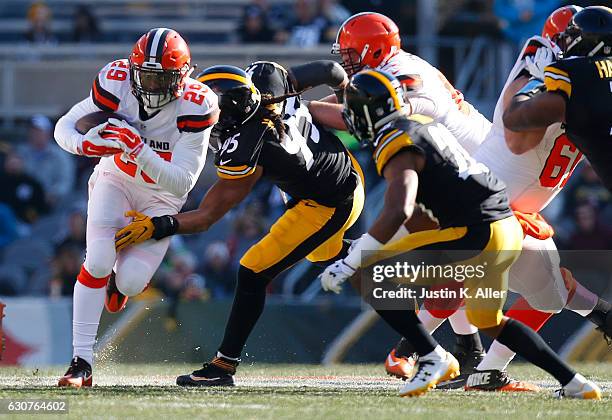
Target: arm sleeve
(180, 174)
(65, 133)
(320, 72)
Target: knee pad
(100, 258)
(483, 319)
(132, 278)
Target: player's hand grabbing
(543, 57)
(141, 229)
(144, 228)
(94, 145)
(334, 275)
(126, 136)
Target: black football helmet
(372, 99)
(239, 99)
(589, 33)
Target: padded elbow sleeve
(316, 73)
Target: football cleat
(219, 372)
(78, 375)
(467, 363)
(588, 391)
(401, 367)
(496, 380)
(430, 372)
(115, 300)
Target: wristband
(366, 243)
(164, 226)
(532, 88)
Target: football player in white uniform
(149, 162)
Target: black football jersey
(586, 85)
(308, 162)
(458, 190)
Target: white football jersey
(432, 95)
(176, 135)
(533, 178)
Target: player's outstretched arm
(531, 113)
(224, 195)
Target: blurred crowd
(307, 23)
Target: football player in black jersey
(423, 162)
(576, 90)
(262, 136)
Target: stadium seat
(28, 253)
(13, 280)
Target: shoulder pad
(197, 108)
(110, 85)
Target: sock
(404, 348)
(576, 383)
(430, 322)
(235, 359)
(599, 313)
(460, 323)
(498, 357)
(580, 300)
(87, 308)
(249, 302)
(408, 325)
(436, 354)
(526, 342)
(468, 342)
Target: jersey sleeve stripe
(194, 123)
(557, 77)
(385, 140)
(103, 99)
(399, 141)
(556, 71)
(558, 85)
(230, 174)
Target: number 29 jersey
(307, 162)
(458, 190)
(178, 132)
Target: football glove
(126, 136)
(543, 57)
(334, 275)
(143, 228)
(94, 145)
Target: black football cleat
(497, 380)
(115, 301)
(602, 317)
(467, 362)
(219, 372)
(78, 375)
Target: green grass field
(294, 391)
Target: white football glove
(93, 145)
(334, 275)
(535, 65)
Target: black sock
(249, 301)
(528, 344)
(404, 348)
(599, 313)
(408, 325)
(468, 343)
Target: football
(87, 122)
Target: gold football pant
(495, 246)
(307, 230)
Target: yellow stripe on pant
(307, 230)
(498, 252)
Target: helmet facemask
(156, 87)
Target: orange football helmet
(159, 63)
(366, 39)
(557, 22)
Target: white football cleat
(430, 370)
(588, 391)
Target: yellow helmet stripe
(389, 87)
(229, 76)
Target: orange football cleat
(115, 300)
(401, 367)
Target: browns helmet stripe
(156, 39)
